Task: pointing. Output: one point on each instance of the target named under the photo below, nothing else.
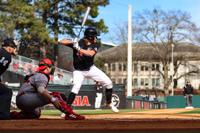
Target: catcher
(33, 95)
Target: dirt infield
(164, 121)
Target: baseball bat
(83, 23)
(84, 20)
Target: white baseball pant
(95, 74)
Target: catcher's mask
(10, 42)
(90, 33)
(44, 63)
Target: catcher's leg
(34, 114)
(30, 104)
(69, 113)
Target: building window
(120, 67)
(153, 82)
(113, 67)
(157, 82)
(124, 67)
(153, 67)
(157, 67)
(135, 67)
(146, 68)
(146, 82)
(109, 67)
(135, 82)
(124, 81)
(142, 68)
(142, 82)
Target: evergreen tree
(39, 22)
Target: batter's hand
(76, 46)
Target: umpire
(8, 49)
(188, 93)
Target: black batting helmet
(9, 42)
(90, 33)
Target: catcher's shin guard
(64, 107)
(69, 113)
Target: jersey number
(3, 61)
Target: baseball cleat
(113, 108)
(74, 117)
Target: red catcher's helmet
(44, 63)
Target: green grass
(195, 111)
(89, 112)
(108, 111)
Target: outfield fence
(137, 102)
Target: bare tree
(120, 36)
(164, 29)
(196, 36)
(160, 29)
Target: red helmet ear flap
(44, 63)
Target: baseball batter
(33, 94)
(84, 52)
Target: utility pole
(172, 67)
(172, 59)
(129, 58)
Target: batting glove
(75, 40)
(76, 45)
